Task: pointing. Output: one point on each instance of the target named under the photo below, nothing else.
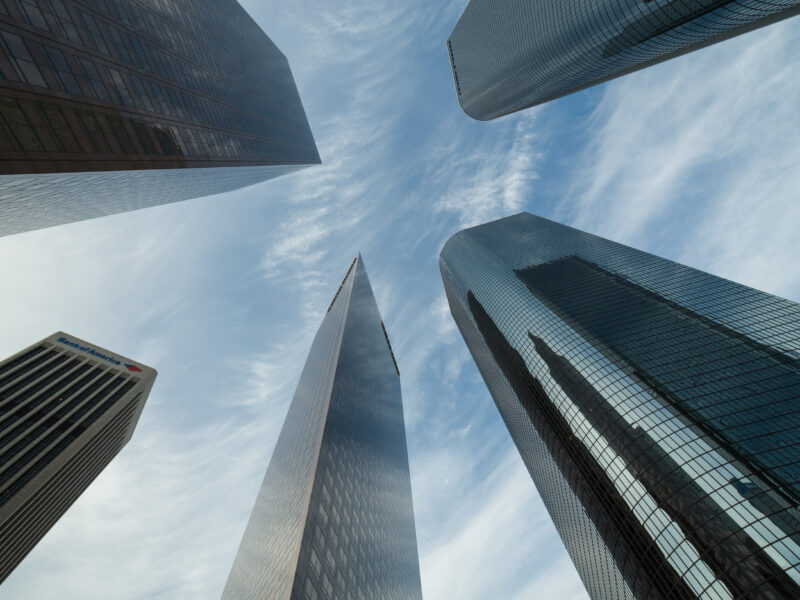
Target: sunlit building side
(334, 516)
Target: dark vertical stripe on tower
(633, 549)
(722, 373)
(736, 560)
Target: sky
(694, 160)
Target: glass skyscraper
(67, 408)
(656, 407)
(507, 55)
(111, 105)
(334, 517)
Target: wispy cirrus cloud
(692, 160)
(494, 179)
(502, 516)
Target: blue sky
(695, 160)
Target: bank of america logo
(133, 368)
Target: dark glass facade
(128, 85)
(334, 517)
(507, 55)
(655, 406)
(66, 409)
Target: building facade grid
(66, 409)
(654, 405)
(112, 85)
(507, 55)
(108, 106)
(351, 534)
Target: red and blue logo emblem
(133, 368)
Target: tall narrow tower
(66, 409)
(107, 107)
(656, 407)
(334, 517)
(507, 55)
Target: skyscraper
(109, 106)
(656, 407)
(66, 409)
(334, 517)
(507, 55)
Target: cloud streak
(700, 144)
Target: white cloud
(691, 159)
(495, 179)
(498, 536)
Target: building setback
(656, 407)
(108, 106)
(507, 55)
(334, 516)
(67, 408)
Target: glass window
(59, 128)
(94, 32)
(94, 131)
(121, 134)
(138, 52)
(14, 119)
(62, 70)
(7, 140)
(143, 135)
(21, 58)
(95, 80)
(33, 15)
(165, 141)
(65, 21)
(118, 83)
(140, 95)
(119, 44)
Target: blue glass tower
(656, 407)
(507, 55)
(334, 516)
(110, 106)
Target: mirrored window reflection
(59, 129)
(20, 132)
(663, 382)
(512, 54)
(179, 65)
(62, 70)
(17, 51)
(33, 14)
